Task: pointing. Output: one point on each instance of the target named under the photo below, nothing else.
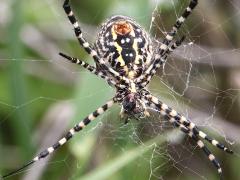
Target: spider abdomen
(124, 46)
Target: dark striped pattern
(208, 153)
(78, 127)
(75, 129)
(165, 110)
(164, 49)
(160, 59)
(86, 45)
(92, 69)
(78, 31)
(169, 37)
(190, 133)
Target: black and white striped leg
(208, 153)
(78, 32)
(86, 45)
(161, 57)
(170, 35)
(93, 70)
(174, 46)
(78, 127)
(164, 109)
(200, 144)
(159, 60)
(187, 131)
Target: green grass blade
(17, 81)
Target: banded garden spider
(125, 58)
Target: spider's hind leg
(193, 136)
(188, 128)
(166, 110)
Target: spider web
(42, 95)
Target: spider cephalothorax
(132, 104)
(124, 58)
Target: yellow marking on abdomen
(135, 47)
(119, 50)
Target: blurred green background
(42, 95)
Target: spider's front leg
(187, 127)
(170, 35)
(78, 32)
(166, 48)
(89, 48)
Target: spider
(126, 60)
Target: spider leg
(174, 46)
(201, 145)
(86, 45)
(164, 109)
(78, 127)
(160, 59)
(93, 70)
(164, 49)
(170, 35)
(188, 131)
(78, 32)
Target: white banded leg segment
(175, 45)
(67, 137)
(164, 52)
(189, 132)
(86, 45)
(160, 59)
(208, 153)
(180, 21)
(211, 140)
(186, 122)
(76, 128)
(143, 80)
(171, 120)
(88, 48)
(90, 68)
(171, 112)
